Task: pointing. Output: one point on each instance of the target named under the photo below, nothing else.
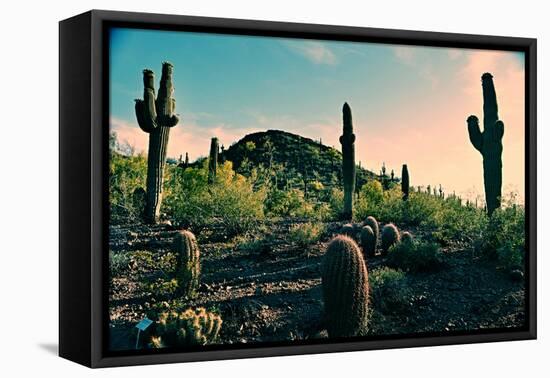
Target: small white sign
(142, 325)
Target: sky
(409, 103)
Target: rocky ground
(273, 292)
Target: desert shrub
(305, 234)
(230, 200)
(335, 199)
(253, 244)
(162, 287)
(389, 289)
(118, 263)
(288, 203)
(189, 328)
(503, 238)
(126, 174)
(415, 257)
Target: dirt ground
(274, 293)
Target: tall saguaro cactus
(213, 160)
(348, 162)
(156, 116)
(405, 182)
(489, 143)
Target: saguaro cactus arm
(476, 136)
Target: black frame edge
(75, 334)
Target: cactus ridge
(489, 143)
(188, 262)
(345, 288)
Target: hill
(294, 156)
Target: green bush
(230, 200)
(305, 234)
(389, 290)
(416, 256)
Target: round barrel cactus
(345, 288)
(188, 264)
(406, 237)
(368, 241)
(348, 229)
(373, 223)
(390, 236)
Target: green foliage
(230, 200)
(254, 244)
(305, 234)
(390, 290)
(503, 238)
(291, 203)
(163, 287)
(189, 328)
(118, 263)
(415, 256)
(345, 288)
(126, 174)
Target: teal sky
(409, 103)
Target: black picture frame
(83, 205)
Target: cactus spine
(368, 241)
(345, 288)
(405, 182)
(213, 160)
(188, 264)
(390, 236)
(348, 162)
(489, 143)
(156, 116)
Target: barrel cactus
(368, 241)
(156, 116)
(373, 223)
(189, 328)
(345, 288)
(406, 237)
(187, 261)
(213, 160)
(489, 143)
(390, 236)
(347, 139)
(349, 230)
(405, 182)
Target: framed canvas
(235, 188)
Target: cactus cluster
(389, 237)
(489, 143)
(347, 139)
(348, 229)
(187, 261)
(406, 237)
(373, 223)
(345, 288)
(189, 328)
(155, 116)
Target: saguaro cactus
(405, 182)
(213, 160)
(345, 288)
(156, 116)
(348, 162)
(489, 143)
